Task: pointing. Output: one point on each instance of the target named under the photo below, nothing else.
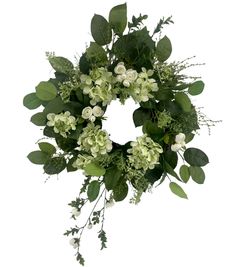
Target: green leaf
(197, 174)
(183, 100)
(54, 106)
(47, 148)
(96, 54)
(177, 190)
(93, 190)
(39, 119)
(76, 133)
(101, 30)
(54, 165)
(112, 177)
(171, 157)
(140, 115)
(66, 144)
(61, 64)
(163, 49)
(120, 191)
(184, 173)
(31, 101)
(170, 170)
(154, 175)
(196, 88)
(195, 157)
(38, 157)
(46, 91)
(118, 18)
(151, 128)
(69, 166)
(94, 169)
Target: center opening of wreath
(119, 122)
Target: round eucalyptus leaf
(46, 91)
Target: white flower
(97, 111)
(131, 75)
(90, 226)
(180, 139)
(75, 212)
(110, 203)
(120, 68)
(87, 113)
(176, 147)
(126, 83)
(73, 243)
(92, 118)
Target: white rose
(126, 83)
(92, 118)
(180, 138)
(176, 147)
(120, 68)
(87, 113)
(75, 212)
(97, 111)
(131, 75)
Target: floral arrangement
(122, 62)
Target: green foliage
(38, 157)
(118, 18)
(196, 88)
(168, 169)
(101, 30)
(195, 157)
(47, 148)
(31, 101)
(96, 55)
(55, 165)
(163, 49)
(103, 238)
(54, 106)
(120, 191)
(154, 175)
(39, 119)
(184, 173)
(93, 190)
(171, 158)
(137, 21)
(140, 115)
(183, 100)
(197, 174)
(161, 23)
(46, 91)
(61, 64)
(94, 169)
(66, 144)
(177, 190)
(112, 177)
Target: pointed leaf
(61, 64)
(38, 157)
(94, 169)
(39, 119)
(197, 174)
(93, 190)
(120, 191)
(184, 173)
(118, 18)
(163, 49)
(101, 30)
(177, 190)
(47, 148)
(112, 177)
(170, 170)
(183, 100)
(31, 101)
(46, 91)
(55, 165)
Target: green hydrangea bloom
(94, 140)
(62, 123)
(99, 86)
(82, 161)
(144, 153)
(163, 119)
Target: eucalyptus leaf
(39, 119)
(94, 169)
(54, 106)
(196, 88)
(46, 91)
(93, 190)
(61, 64)
(101, 30)
(47, 148)
(177, 190)
(118, 18)
(140, 115)
(163, 49)
(31, 101)
(112, 177)
(197, 174)
(195, 157)
(183, 100)
(38, 157)
(184, 173)
(54, 165)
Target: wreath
(73, 106)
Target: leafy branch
(161, 23)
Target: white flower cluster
(94, 140)
(144, 153)
(82, 161)
(99, 86)
(179, 142)
(62, 123)
(91, 114)
(139, 85)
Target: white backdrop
(162, 230)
